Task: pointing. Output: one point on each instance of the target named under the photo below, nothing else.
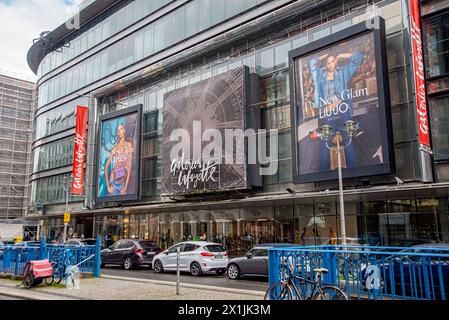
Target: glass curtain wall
(186, 21)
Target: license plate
(150, 253)
(219, 256)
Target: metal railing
(365, 272)
(13, 258)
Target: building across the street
(16, 108)
(221, 120)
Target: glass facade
(184, 22)
(54, 121)
(105, 26)
(53, 155)
(439, 115)
(270, 63)
(310, 221)
(436, 44)
(314, 222)
(51, 190)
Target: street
(257, 284)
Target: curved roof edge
(37, 51)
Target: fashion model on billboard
(332, 74)
(118, 155)
(340, 101)
(120, 162)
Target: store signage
(191, 173)
(341, 82)
(199, 154)
(118, 153)
(79, 153)
(420, 81)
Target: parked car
(402, 278)
(197, 257)
(130, 253)
(81, 242)
(254, 263)
(28, 244)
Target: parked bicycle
(286, 289)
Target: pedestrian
(109, 241)
(332, 236)
(302, 238)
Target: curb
(31, 295)
(187, 285)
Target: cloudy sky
(21, 21)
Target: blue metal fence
(378, 273)
(13, 258)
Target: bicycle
(287, 290)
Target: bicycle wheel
(279, 291)
(57, 280)
(49, 280)
(330, 293)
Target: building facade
(149, 54)
(16, 109)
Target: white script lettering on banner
(190, 173)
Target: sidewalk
(118, 288)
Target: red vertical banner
(420, 81)
(79, 153)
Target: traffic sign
(67, 217)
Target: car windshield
(89, 242)
(214, 248)
(148, 245)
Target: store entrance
(84, 227)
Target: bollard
(178, 250)
(43, 249)
(97, 265)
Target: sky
(21, 21)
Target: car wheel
(157, 266)
(220, 272)
(195, 269)
(128, 263)
(233, 272)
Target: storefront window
(257, 226)
(225, 227)
(285, 224)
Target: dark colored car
(409, 273)
(254, 263)
(130, 253)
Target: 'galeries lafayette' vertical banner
(79, 153)
(418, 65)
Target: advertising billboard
(420, 79)
(118, 170)
(79, 150)
(341, 82)
(197, 118)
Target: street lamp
(326, 131)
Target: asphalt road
(257, 284)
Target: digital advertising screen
(197, 122)
(119, 155)
(340, 83)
